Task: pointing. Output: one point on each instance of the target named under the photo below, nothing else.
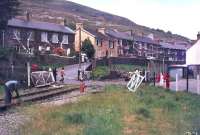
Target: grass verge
(102, 71)
(149, 111)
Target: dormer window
(55, 38)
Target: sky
(178, 16)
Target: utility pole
(28, 62)
(79, 67)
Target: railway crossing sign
(135, 81)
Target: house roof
(97, 34)
(40, 26)
(144, 39)
(126, 36)
(119, 35)
(173, 46)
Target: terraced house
(104, 45)
(38, 36)
(173, 52)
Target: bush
(88, 48)
(59, 51)
(100, 72)
(1, 90)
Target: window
(139, 53)
(169, 52)
(140, 46)
(145, 46)
(44, 37)
(55, 38)
(65, 39)
(119, 42)
(101, 42)
(31, 36)
(16, 34)
(97, 42)
(111, 44)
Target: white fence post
(176, 82)
(29, 74)
(198, 87)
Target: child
(62, 73)
(82, 86)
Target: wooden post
(177, 82)
(198, 87)
(29, 74)
(154, 78)
(187, 80)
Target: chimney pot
(79, 25)
(28, 16)
(102, 30)
(198, 35)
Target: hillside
(56, 10)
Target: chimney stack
(79, 25)
(28, 16)
(102, 30)
(65, 22)
(198, 36)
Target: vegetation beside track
(149, 111)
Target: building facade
(104, 45)
(37, 36)
(173, 52)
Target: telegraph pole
(79, 67)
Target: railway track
(37, 95)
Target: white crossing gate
(42, 78)
(135, 81)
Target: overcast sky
(179, 16)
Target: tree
(88, 48)
(8, 10)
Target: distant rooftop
(40, 26)
(118, 34)
(173, 46)
(97, 34)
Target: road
(71, 75)
(71, 72)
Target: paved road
(71, 72)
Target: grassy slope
(150, 111)
(102, 71)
